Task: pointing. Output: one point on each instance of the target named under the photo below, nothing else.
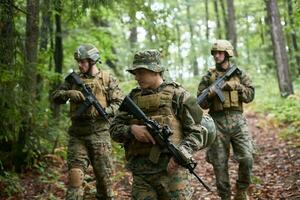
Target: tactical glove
(231, 85)
(75, 96)
(211, 92)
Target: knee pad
(76, 177)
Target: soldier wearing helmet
(89, 142)
(156, 175)
(230, 122)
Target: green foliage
(285, 110)
(10, 184)
(268, 100)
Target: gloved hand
(231, 85)
(75, 96)
(211, 92)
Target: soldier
(230, 122)
(89, 141)
(155, 174)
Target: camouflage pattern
(147, 59)
(151, 179)
(89, 141)
(166, 187)
(231, 130)
(222, 45)
(87, 51)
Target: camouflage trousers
(231, 130)
(94, 149)
(162, 186)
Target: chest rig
(232, 101)
(157, 106)
(99, 85)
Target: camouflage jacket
(245, 90)
(195, 137)
(113, 93)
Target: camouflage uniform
(89, 141)
(168, 104)
(231, 129)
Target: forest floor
(276, 171)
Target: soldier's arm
(120, 128)
(59, 96)
(195, 136)
(114, 95)
(204, 83)
(246, 89)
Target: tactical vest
(159, 108)
(99, 85)
(231, 102)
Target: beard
(219, 64)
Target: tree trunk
(280, 54)
(218, 29)
(180, 59)
(8, 98)
(231, 23)
(58, 52)
(293, 34)
(44, 38)
(206, 19)
(207, 29)
(29, 82)
(192, 50)
(247, 38)
(133, 37)
(225, 20)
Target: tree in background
(9, 76)
(232, 36)
(279, 49)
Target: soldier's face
(146, 79)
(83, 65)
(219, 56)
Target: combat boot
(241, 195)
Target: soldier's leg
(100, 154)
(175, 186)
(218, 155)
(142, 188)
(77, 164)
(243, 151)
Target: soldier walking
(89, 141)
(156, 175)
(230, 122)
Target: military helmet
(87, 51)
(222, 45)
(146, 59)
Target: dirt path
(276, 172)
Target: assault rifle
(90, 98)
(161, 136)
(217, 85)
